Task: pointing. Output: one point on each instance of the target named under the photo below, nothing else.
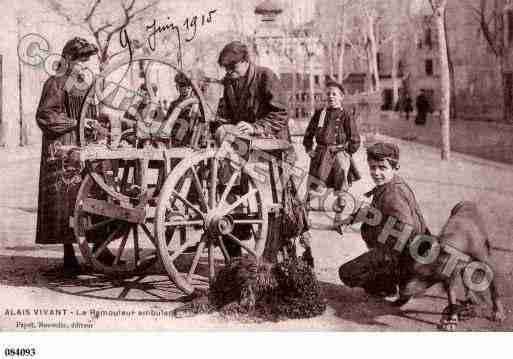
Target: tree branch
(91, 12)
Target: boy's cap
(383, 151)
(332, 83)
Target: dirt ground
(29, 288)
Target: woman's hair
(77, 48)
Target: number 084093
(19, 352)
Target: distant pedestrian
(422, 108)
(408, 106)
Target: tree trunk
(452, 110)
(372, 53)
(506, 75)
(445, 85)
(395, 82)
(331, 58)
(23, 128)
(342, 48)
(294, 90)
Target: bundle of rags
(250, 287)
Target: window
(428, 39)
(429, 67)
(298, 76)
(388, 96)
(297, 97)
(430, 95)
(316, 79)
(509, 18)
(297, 112)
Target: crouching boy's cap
(384, 151)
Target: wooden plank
(99, 152)
(109, 210)
(270, 144)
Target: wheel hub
(220, 225)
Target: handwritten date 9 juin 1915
(190, 24)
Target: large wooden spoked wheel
(195, 198)
(111, 246)
(110, 173)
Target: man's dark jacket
(258, 99)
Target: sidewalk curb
(454, 155)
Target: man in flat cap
(337, 139)
(253, 99)
(252, 104)
(380, 271)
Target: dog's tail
(458, 206)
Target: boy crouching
(394, 210)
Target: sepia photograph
(255, 165)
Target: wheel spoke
(121, 247)
(227, 209)
(195, 260)
(248, 221)
(148, 233)
(185, 187)
(136, 244)
(104, 245)
(224, 250)
(184, 223)
(229, 186)
(199, 189)
(187, 203)
(124, 176)
(180, 249)
(211, 265)
(99, 224)
(237, 241)
(213, 182)
(170, 236)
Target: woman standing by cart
(57, 117)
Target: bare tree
(489, 16)
(104, 20)
(439, 7)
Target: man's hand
(245, 128)
(311, 153)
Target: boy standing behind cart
(337, 138)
